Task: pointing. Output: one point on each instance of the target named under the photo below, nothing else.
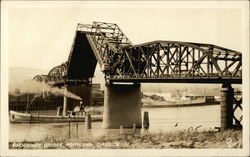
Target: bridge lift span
(156, 61)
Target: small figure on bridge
(78, 110)
(82, 107)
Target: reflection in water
(37, 132)
(161, 119)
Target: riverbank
(143, 140)
(162, 103)
(178, 105)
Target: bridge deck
(176, 80)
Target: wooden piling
(145, 120)
(88, 121)
(76, 129)
(121, 130)
(134, 128)
(58, 111)
(69, 128)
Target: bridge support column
(122, 106)
(227, 94)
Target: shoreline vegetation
(228, 139)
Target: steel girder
(156, 61)
(237, 105)
(162, 61)
(171, 60)
(58, 74)
(55, 75)
(107, 41)
(40, 78)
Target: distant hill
(19, 74)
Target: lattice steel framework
(171, 60)
(40, 78)
(157, 61)
(107, 41)
(237, 105)
(162, 61)
(56, 75)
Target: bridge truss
(156, 61)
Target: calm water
(165, 119)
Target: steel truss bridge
(156, 61)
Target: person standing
(82, 108)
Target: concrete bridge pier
(84, 91)
(227, 113)
(122, 106)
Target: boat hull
(17, 117)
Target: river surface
(161, 119)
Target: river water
(161, 119)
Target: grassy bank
(149, 140)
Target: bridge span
(153, 62)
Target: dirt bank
(145, 140)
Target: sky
(41, 37)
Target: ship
(25, 113)
(19, 117)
